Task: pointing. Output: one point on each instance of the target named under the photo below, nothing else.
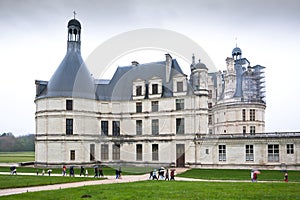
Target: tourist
(101, 172)
(49, 171)
(154, 175)
(167, 174)
(72, 173)
(81, 170)
(172, 174)
(64, 170)
(43, 172)
(86, 172)
(96, 171)
(117, 173)
(286, 176)
(151, 175)
(120, 173)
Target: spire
(74, 34)
(74, 12)
(193, 58)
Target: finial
(235, 41)
(199, 60)
(74, 13)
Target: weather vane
(74, 13)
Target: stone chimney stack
(168, 67)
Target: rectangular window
(92, 152)
(155, 127)
(222, 152)
(180, 126)
(69, 104)
(206, 151)
(116, 128)
(244, 114)
(179, 104)
(273, 153)
(210, 131)
(252, 115)
(138, 107)
(139, 152)
(104, 151)
(154, 151)
(104, 128)
(154, 106)
(244, 130)
(139, 127)
(116, 152)
(179, 86)
(72, 155)
(290, 148)
(138, 90)
(209, 119)
(154, 88)
(210, 94)
(209, 105)
(252, 129)
(249, 153)
(69, 126)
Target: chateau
(153, 114)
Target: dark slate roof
(120, 86)
(71, 78)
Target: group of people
(162, 174)
(98, 171)
(254, 175)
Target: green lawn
(9, 181)
(171, 190)
(16, 157)
(234, 174)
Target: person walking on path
(167, 175)
(64, 170)
(154, 175)
(117, 173)
(96, 169)
(81, 170)
(151, 175)
(172, 174)
(101, 172)
(120, 173)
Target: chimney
(168, 67)
(134, 63)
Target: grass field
(171, 190)
(234, 174)
(8, 181)
(15, 157)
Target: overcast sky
(33, 43)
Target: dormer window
(138, 89)
(154, 88)
(179, 86)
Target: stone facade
(154, 115)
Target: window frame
(179, 85)
(104, 151)
(116, 151)
(139, 107)
(139, 127)
(139, 152)
(72, 154)
(116, 128)
(180, 126)
(154, 106)
(249, 153)
(222, 152)
(155, 150)
(104, 127)
(69, 104)
(179, 104)
(155, 126)
(273, 152)
(290, 148)
(69, 126)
